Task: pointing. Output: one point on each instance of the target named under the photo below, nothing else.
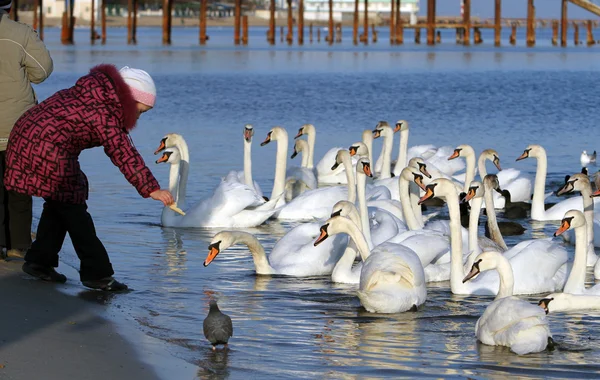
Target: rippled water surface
(501, 98)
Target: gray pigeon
(217, 326)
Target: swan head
(532, 150)
(419, 163)
(346, 209)
(170, 155)
(277, 133)
(571, 220)
(363, 166)
(401, 125)
(476, 190)
(574, 183)
(359, 149)
(382, 129)
(332, 226)
(487, 260)
(169, 140)
(367, 136)
(341, 155)
(305, 130)
(248, 132)
(439, 187)
(492, 155)
(299, 146)
(219, 242)
(461, 151)
(492, 182)
(544, 303)
(409, 173)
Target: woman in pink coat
(42, 160)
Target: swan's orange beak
(163, 158)
(523, 156)
(267, 140)
(470, 194)
(248, 134)
(566, 223)
(454, 155)
(352, 150)
(367, 169)
(161, 146)
(212, 254)
(397, 127)
(323, 235)
(596, 194)
(428, 194)
(300, 132)
(419, 182)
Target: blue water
(502, 98)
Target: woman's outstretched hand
(164, 196)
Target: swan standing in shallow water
(509, 321)
(392, 278)
(232, 203)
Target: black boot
(44, 273)
(107, 284)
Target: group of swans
(379, 221)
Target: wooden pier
(468, 30)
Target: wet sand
(47, 333)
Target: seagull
(587, 158)
(217, 326)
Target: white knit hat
(141, 85)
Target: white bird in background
(587, 159)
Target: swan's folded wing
(391, 264)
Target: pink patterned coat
(42, 157)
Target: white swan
(293, 255)
(575, 220)
(344, 272)
(509, 321)
(557, 302)
(299, 178)
(325, 175)
(175, 140)
(587, 159)
(392, 278)
(546, 257)
(557, 211)
(232, 203)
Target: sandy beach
(47, 333)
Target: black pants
(15, 215)
(59, 218)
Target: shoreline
(50, 332)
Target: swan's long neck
(311, 137)
(344, 264)
(386, 167)
(505, 273)
(495, 233)
(184, 153)
(481, 166)
(414, 203)
(588, 211)
(280, 167)
(537, 204)
(402, 153)
(261, 263)
(456, 254)
(470, 169)
(305, 159)
(361, 186)
(347, 162)
(405, 202)
(576, 281)
(357, 237)
(248, 164)
(367, 139)
(174, 173)
(474, 230)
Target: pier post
(430, 22)
(576, 33)
(271, 34)
(554, 32)
(14, 13)
(467, 22)
(281, 32)
(40, 19)
(374, 33)
(202, 21)
(166, 24)
(92, 21)
(498, 23)
(417, 35)
(513, 34)
(237, 21)
(102, 20)
(301, 22)
(590, 35)
(245, 29)
(310, 32)
(530, 24)
(330, 24)
(564, 25)
(35, 15)
(131, 5)
(290, 21)
(366, 26)
(399, 25)
(355, 24)
(392, 22)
